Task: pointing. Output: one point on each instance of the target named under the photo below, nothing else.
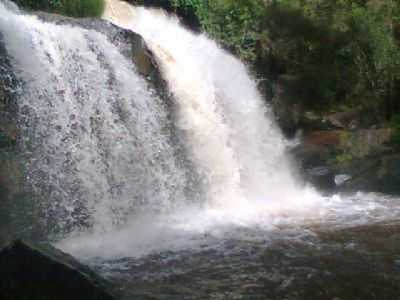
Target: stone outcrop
(378, 174)
(41, 272)
(343, 160)
(358, 144)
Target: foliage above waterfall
(72, 8)
(339, 51)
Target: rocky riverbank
(344, 151)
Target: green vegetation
(237, 24)
(342, 53)
(344, 157)
(72, 8)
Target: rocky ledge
(350, 160)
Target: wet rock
(364, 156)
(325, 138)
(381, 174)
(349, 119)
(358, 144)
(365, 142)
(312, 121)
(371, 174)
(341, 179)
(313, 161)
(287, 111)
(32, 271)
(130, 44)
(322, 177)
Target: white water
(237, 148)
(228, 128)
(95, 136)
(100, 150)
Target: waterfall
(100, 145)
(229, 129)
(114, 169)
(96, 138)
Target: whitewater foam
(96, 139)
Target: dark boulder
(41, 272)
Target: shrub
(72, 8)
(341, 158)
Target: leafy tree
(340, 51)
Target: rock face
(379, 174)
(287, 111)
(130, 44)
(358, 144)
(42, 272)
(365, 142)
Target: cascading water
(228, 128)
(237, 151)
(190, 199)
(100, 144)
(96, 138)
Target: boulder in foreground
(41, 272)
